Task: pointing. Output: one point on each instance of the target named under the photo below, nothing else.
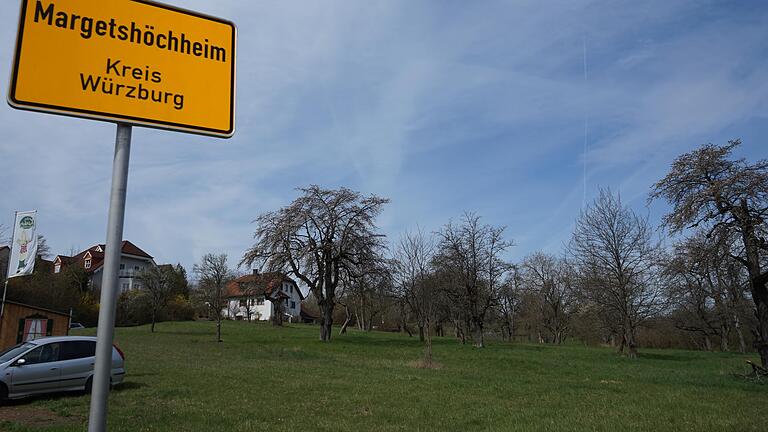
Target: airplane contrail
(586, 124)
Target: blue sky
(442, 106)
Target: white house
(133, 261)
(251, 297)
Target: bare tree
(213, 274)
(157, 283)
(470, 253)
(4, 236)
(618, 265)
(708, 188)
(509, 303)
(250, 291)
(707, 287)
(415, 284)
(318, 237)
(366, 295)
(278, 299)
(550, 282)
(43, 250)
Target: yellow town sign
(129, 61)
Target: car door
(40, 372)
(77, 358)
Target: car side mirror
(20, 362)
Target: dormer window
(88, 263)
(57, 268)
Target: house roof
(36, 307)
(96, 254)
(304, 313)
(260, 283)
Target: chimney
(255, 271)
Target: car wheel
(3, 393)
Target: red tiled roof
(131, 249)
(97, 255)
(261, 284)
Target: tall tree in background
(709, 188)
(470, 254)
(213, 274)
(157, 285)
(318, 237)
(413, 259)
(509, 302)
(708, 286)
(618, 265)
(43, 250)
(366, 295)
(550, 282)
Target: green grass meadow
(284, 379)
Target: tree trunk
(428, 348)
(421, 332)
(761, 341)
(218, 329)
(707, 343)
(477, 333)
(347, 320)
(326, 321)
(739, 333)
(459, 332)
(756, 283)
(152, 329)
(631, 345)
(724, 339)
(277, 316)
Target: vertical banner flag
(24, 244)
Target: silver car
(53, 364)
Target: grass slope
(260, 378)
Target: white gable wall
(264, 312)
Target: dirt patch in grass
(33, 416)
(421, 364)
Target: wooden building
(21, 322)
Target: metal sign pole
(97, 421)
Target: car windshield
(14, 351)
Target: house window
(125, 286)
(286, 302)
(122, 266)
(136, 285)
(136, 268)
(242, 302)
(260, 300)
(88, 263)
(57, 268)
(293, 305)
(291, 289)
